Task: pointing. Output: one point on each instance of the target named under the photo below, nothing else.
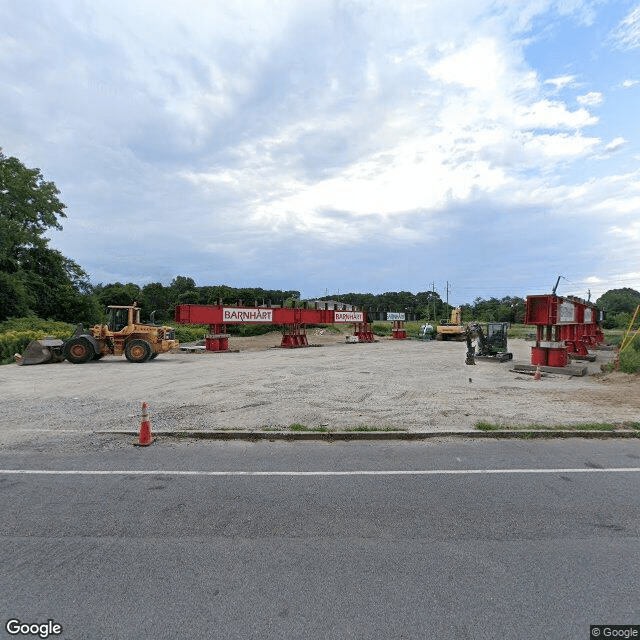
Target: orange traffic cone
(145, 428)
(537, 375)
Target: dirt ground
(409, 384)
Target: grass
(365, 427)
(296, 426)
(585, 426)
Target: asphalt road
(345, 540)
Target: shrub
(33, 323)
(630, 360)
(190, 332)
(12, 342)
(382, 328)
(17, 333)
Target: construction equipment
(491, 342)
(452, 329)
(124, 333)
(48, 349)
(426, 332)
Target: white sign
(348, 316)
(247, 315)
(567, 313)
(395, 316)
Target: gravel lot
(410, 384)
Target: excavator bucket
(42, 351)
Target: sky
(481, 148)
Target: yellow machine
(451, 329)
(124, 333)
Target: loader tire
(154, 355)
(137, 351)
(78, 350)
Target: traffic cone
(537, 375)
(145, 428)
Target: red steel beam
(229, 314)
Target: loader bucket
(42, 351)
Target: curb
(377, 435)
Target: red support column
(399, 332)
(217, 339)
(294, 335)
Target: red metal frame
(294, 321)
(564, 326)
(399, 332)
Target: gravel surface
(408, 384)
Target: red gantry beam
(293, 319)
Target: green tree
(118, 294)
(156, 297)
(35, 279)
(616, 303)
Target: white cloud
(630, 232)
(627, 34)
(561, 82)
(627, 84)
(591, 99)
(479, 66)
(615, 144)
(327, 122)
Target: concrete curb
(377, 435)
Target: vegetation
(382, 328)
(35, 279)
(16, 334)
(619, 305)
(296, 426)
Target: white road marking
(416, 472)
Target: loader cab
(118, 317)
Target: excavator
(123, 333)
(491, 342)
(451, 329)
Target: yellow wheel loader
(124, 333)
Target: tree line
(36, 280)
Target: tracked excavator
(451, 329)
(491, 342)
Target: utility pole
(447, 293)
(433, 297)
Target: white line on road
(416, 472)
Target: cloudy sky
(334, 146)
